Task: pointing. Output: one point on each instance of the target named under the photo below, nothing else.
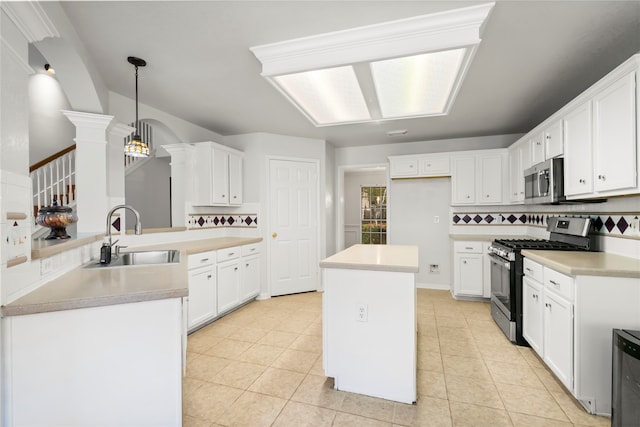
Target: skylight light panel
(419, 85)
(327, 96)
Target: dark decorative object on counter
(57, 218)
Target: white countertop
(577, 263)
(375, 257)
(101, 286)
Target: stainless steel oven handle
(495, 259)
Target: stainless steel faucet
(115, 208)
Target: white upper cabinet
(553, 140)
(463, 180)
(614, 138)
(478, 178)
(419, 166)
(218, 172)
(490, 179)
(537, 148)
(519, 160)
(578, 164)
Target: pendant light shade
(136, 147)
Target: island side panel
(375, 356)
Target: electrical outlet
(635, 226)
(434, 268)
(436, 219)
(362, 314)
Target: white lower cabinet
(202, 289)
(220, 281)
(558, 337)
(470, 266)
(533, 313)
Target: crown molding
(420, 34)
(31, 19)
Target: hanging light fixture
(136, 147)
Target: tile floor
(262, 366)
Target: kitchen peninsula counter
(102, 286)
(369, 320)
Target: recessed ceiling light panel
(327, 96)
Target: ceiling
(535, 57)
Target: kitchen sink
(168, 256)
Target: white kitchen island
(369, 320)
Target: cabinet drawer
(559, 283)
(201, 259)
(533, 270)
(468, 247)
(251, 249)
(229, 253)
(403, 167)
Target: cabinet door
(202, 296)
(553, 140)
(203, 173)
(558, 337)
(614, 116)
(400, 167)
(250, 283)
(578, 164)
(228, 285)
(491, 180)
(235, 179)
(220, 175)
(537, 148)
(515, 170)
(463, 180)
(434, 166)
(533, 314)
(468, 278)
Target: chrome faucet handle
(118, 247)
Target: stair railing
(54, 178)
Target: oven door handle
(495, 259)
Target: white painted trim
(436, 286)
(267, 218)
(340, 198)
(30, 19)
(419, 34)
(16, 56)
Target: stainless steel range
(567, 234)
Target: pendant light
(136, 147)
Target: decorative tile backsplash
(623, 224)
(214, 220)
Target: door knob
(274, 235)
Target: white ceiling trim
(439, 31)
(31, 20)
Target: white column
(92, 131)
(181, 181)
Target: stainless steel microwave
(544, 183)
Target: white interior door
(293, 207)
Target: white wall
(147, 189)
(413, 206)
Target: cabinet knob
(601, 177)
(487, 196)
(547, 305)
(428, 165)
(208, 276)
(274, 235)
(235, 197)
(581, 181)
(464, 262)
(468, 196)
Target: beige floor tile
(188, 421)
(431, 384)
(239, 374)
(314, 329)
(429, 343)
(210, 401)
(296, 360)
(452, 332)
(427, 411)
(451, 322)
(261, 354)
(219, 328)
(228, 348)
(531, 357)
(296, 414)
(459, 347)
(277, 382)
(240, 317)
(200, 342)
(523, 420)
(549, 380)
(530, 401)
(468, 415)
(278, 339)
(317, 368)
(251, 335)
(205, 367)
(318, 391)
(189, 386)
(252, 410)
(576, 412)
(310, 343)
(473, 391)
(465, 367)
(350, 420)
(293, 326)
(513, 373)
(430, 361)
(505, 352)
(367, 406)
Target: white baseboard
(436, 286)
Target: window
(373, 215)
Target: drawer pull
(468, 247)
(554, 283)
(529, 270)
(204, 260)
(231, 254)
